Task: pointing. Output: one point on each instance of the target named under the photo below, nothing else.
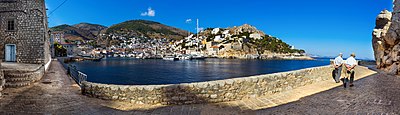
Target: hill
(247, 39)
(146, 28)
(95, 29)
(80, 32)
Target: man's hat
(353, 54)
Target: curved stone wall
(211, 91)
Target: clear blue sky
(322, 27)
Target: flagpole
(197, 28)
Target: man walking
(338, 62)
(351, 63)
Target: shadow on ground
(374, 94)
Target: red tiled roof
(214, 46)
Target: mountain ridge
(79, 32)
(146, 28)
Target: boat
(93, 58)
(170, 58)
(97, 59)
(140, 56)
(198, 57)
(184, 57)
(130, 55)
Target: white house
(215, 31)
(218, 39)
(255, 36)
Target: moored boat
(170, 58)
(198, 57)
(184, 57)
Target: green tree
(59, 50)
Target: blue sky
(321, 27)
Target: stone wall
(2, 80)
(31, 33)
(211, 91)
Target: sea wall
(210, 91)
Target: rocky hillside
(146, 28)
(94, 29)
(248, 40)
(81, 32)
(386, 40)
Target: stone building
(24, 42)
(55, 37)
(24, 32)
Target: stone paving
(375, 94)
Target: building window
(11, 25)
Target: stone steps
(17, 84)
(18, 75)
(20, 79)
(15, 80)
(21, 70)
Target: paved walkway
(375, 94)
(378, 94)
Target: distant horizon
(310, 25)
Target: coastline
(266, 57)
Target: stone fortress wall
(212, 91)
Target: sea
(129, 71)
